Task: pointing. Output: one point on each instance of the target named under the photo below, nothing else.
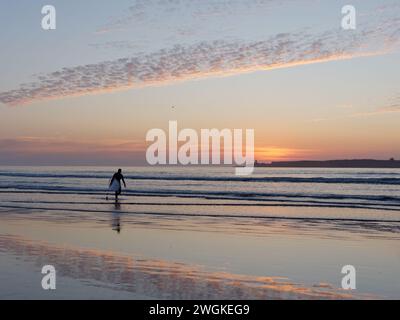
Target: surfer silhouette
(115, 183)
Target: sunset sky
(87, 92)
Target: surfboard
(115, 186)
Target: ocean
(375, 193)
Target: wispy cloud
(274, 153)
(59, 144)
(147, 11)
(119, 45)
(345, 106)
(206, 59)
(390, 109)
(64, 151)
(392, 106)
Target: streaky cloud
(208, 59)
(143, 11)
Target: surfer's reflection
(116, 218)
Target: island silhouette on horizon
(343, 163)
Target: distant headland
(352, 163)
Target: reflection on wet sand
(116, 218)
(158, 279)
(255, 226)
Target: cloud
(148, 11)
(273, 153)
(206, 59)
(119, 45)
(390, 109)
(345, 106)
(64, 145)
(63, 151)
(391, 106)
